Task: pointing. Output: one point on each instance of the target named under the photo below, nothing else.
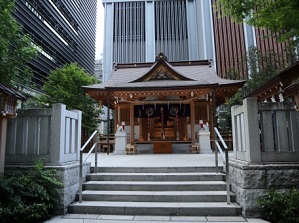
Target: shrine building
(164, 100)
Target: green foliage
(30, 196)
(279, 16)
(64, 86)
(280, 207)
(260, 68)
(15, 48)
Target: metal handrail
(225, 160)
(94, 147)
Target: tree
(278, 16)
(260, 68)
(64, 86)
(15, 48)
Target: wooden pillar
(116, 118)
(132, 122)
(192, 121)
(214, 124)
(119, 115)
(214, 119)
(108, 119)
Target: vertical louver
(171, 33)
(129, 32)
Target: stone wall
(68, 174)
(249, 181)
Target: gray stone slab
(60, 219)
(116, 217)
(106, 221)
(256, 220)
(152, 218)
(226, 219)
(188, 218)
(81, 216)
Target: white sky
(100, 30)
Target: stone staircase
(158, 191)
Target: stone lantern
(8, 107)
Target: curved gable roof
(162, 71)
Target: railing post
(80, 176)
(96, 154)
(95, 146)
(216, 157)
(227, 176)
(226, 160)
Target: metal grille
(129, 32)
(171, 33)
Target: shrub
(280, 207)
(30, 196)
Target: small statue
(207, 126)
(123, 124)
(203, 127)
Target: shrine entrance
(164, 121)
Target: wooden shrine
(163, 101)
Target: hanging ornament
(177, 124)
(162, 120)
(148, 128)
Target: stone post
(246, 131)
(204, 141)
(120, 142)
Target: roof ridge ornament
(161, 56)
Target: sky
(100, 30)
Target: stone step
(156, 185)
(156, 177)
(156, 196)
(198, 169)
(156, 208)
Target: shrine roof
(11, 92)
(145, 75)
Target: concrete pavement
(155, 160)
(89, 218)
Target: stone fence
(266, 132)
(53, 135)
(266, 151)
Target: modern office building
(136, 31)
(98, 70)
(63, 31)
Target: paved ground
(78, 218)
(150, 160)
